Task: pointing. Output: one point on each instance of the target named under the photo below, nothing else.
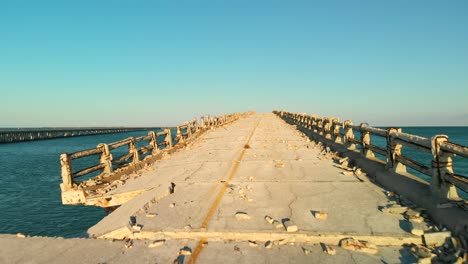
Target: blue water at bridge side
(30, 200)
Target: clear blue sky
(150, 63)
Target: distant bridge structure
(20, 135)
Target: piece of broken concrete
(279, 165)
(186, 251)
(242, 216)
(320, 215)
(290, 226)
(277, 224)
(417, 229)
(157, 243)
(253, 243)
(395, 209)
(358, 245)
(151, 215)
(328, 249)
(306, 251)
(269, 219)
(136, 228)
(436, 238)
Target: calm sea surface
(30, 200)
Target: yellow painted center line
(216, 202)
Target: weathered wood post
(393, 151)
(442, 164)
(202, 123)
(179, 137)
(349, 134)
(132, 148)
(335, 128)
(106, 158)
(153, 142)
(208, 121)
(197, 128)
(320, 126)
(314, 124)
(307, 123)
(67, 179)
(168, 138)
(327, 128)
(366, 140)
(189, 130)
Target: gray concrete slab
(58, 250)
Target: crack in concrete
(290, 204)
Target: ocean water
(30, 201)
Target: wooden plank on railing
(88, 170)
(377, 149)
(374, 130)
(143, 138)
(413, 145)
(414, 165)
(413, 139)
(454, 148)
(122, 158)
(354, 141)
(458, 180)
(162, 133)
(119, 144)
(145, 149)
(84, 153)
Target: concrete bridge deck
(213, 196)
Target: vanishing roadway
(226, 182)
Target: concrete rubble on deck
(254, 191)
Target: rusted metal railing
(444, 181)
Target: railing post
(442, 165)
(349, 134)
(202, 123)
(393, 151)
(327, 128)
(366, 140)
(106, 158)
(153, 142)
(208, 121)
(314, 124)
(189, 130)
(336, 136)
(67, 179)
(132, 148)
(197, 128)
(320, 125)
(179, 136)
(168, 138)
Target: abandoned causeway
(252, 187)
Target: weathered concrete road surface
(213, 197)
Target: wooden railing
(444, 181)
(139, 150)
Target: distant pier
(21, 135)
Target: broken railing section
(444, 180)
(137, 152)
